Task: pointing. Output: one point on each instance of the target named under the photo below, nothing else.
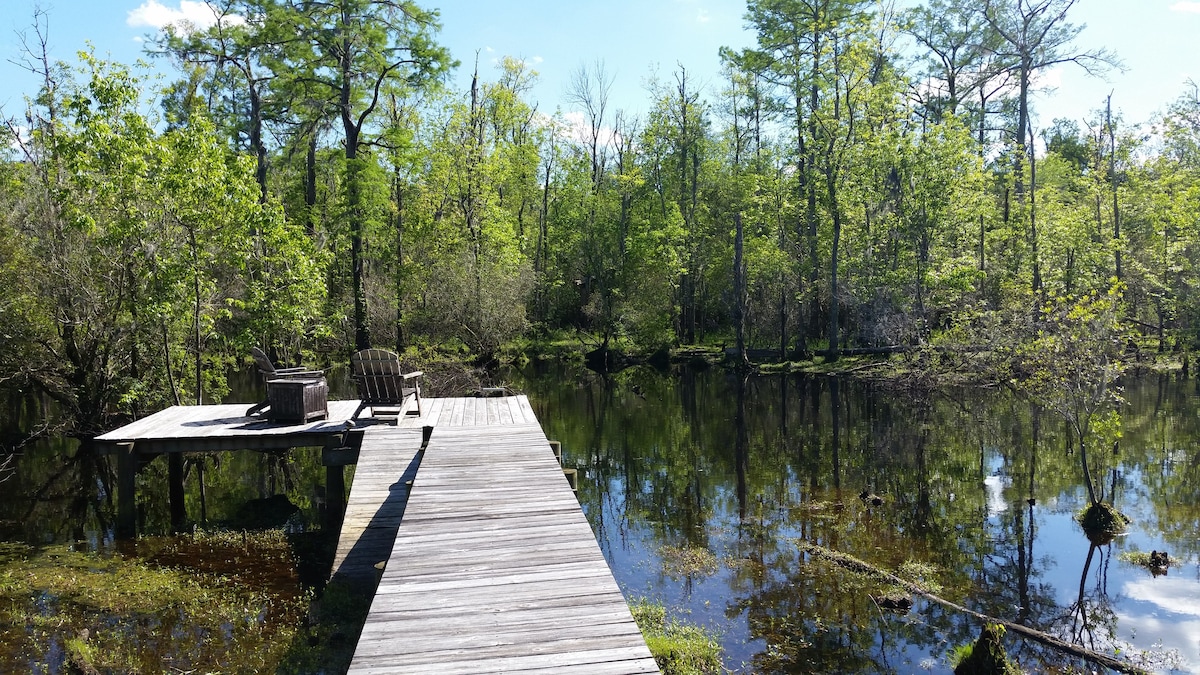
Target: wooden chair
(270, 372)
(380, 382)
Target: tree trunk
(1112, 176)
(835, 213)
(739, 289)
(1033, 232)
(310, 188)
(398, 188)
(1087, 473)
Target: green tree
(346, 53)
(1071, 365)
(1035, 35)
(143, 241)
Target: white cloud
(18, 137)
(1173, 594)
(191, 14)
(702, 16)
(579, 129)
(1186, 6)
(995, 494)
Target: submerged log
(854, 564)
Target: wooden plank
(503, 411)
(434, 408)
(526, 409)
(494, 567)
(514, 410)
(456, 412)
(469, 411)
(387, 460)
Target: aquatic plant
(679, 648)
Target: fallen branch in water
(854, 564)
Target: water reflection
(978, 484)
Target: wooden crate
(298, 399)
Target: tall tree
(246, 39)
(348, 52)
(1035, 35)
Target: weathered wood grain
(490, 565)
(494, 567)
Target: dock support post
(126, 485)
(175, 490)
(335, 496)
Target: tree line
(311, 182)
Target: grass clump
(688, 561)
(1156, 561)
(1102, 520)
(679, 648)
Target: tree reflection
(745, 467)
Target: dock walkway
(494, 567)
(490, 566)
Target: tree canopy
(311, 183)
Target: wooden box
(298, 399)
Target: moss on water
(691, 561)
(145, 611)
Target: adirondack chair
(270, 372)
(380, 382)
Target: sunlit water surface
(700, 487)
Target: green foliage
(304, 192)
(1072, 362)
(678, 647)
(153, 252)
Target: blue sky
(1156, 39)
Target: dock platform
(494, 567)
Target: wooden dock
(212, 428)
(489, 564)
(494, 568)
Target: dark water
(57, 492)
(728, 476)
(978, 484)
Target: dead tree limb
(854, 564)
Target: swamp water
(699, 488)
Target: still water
(700, 486)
